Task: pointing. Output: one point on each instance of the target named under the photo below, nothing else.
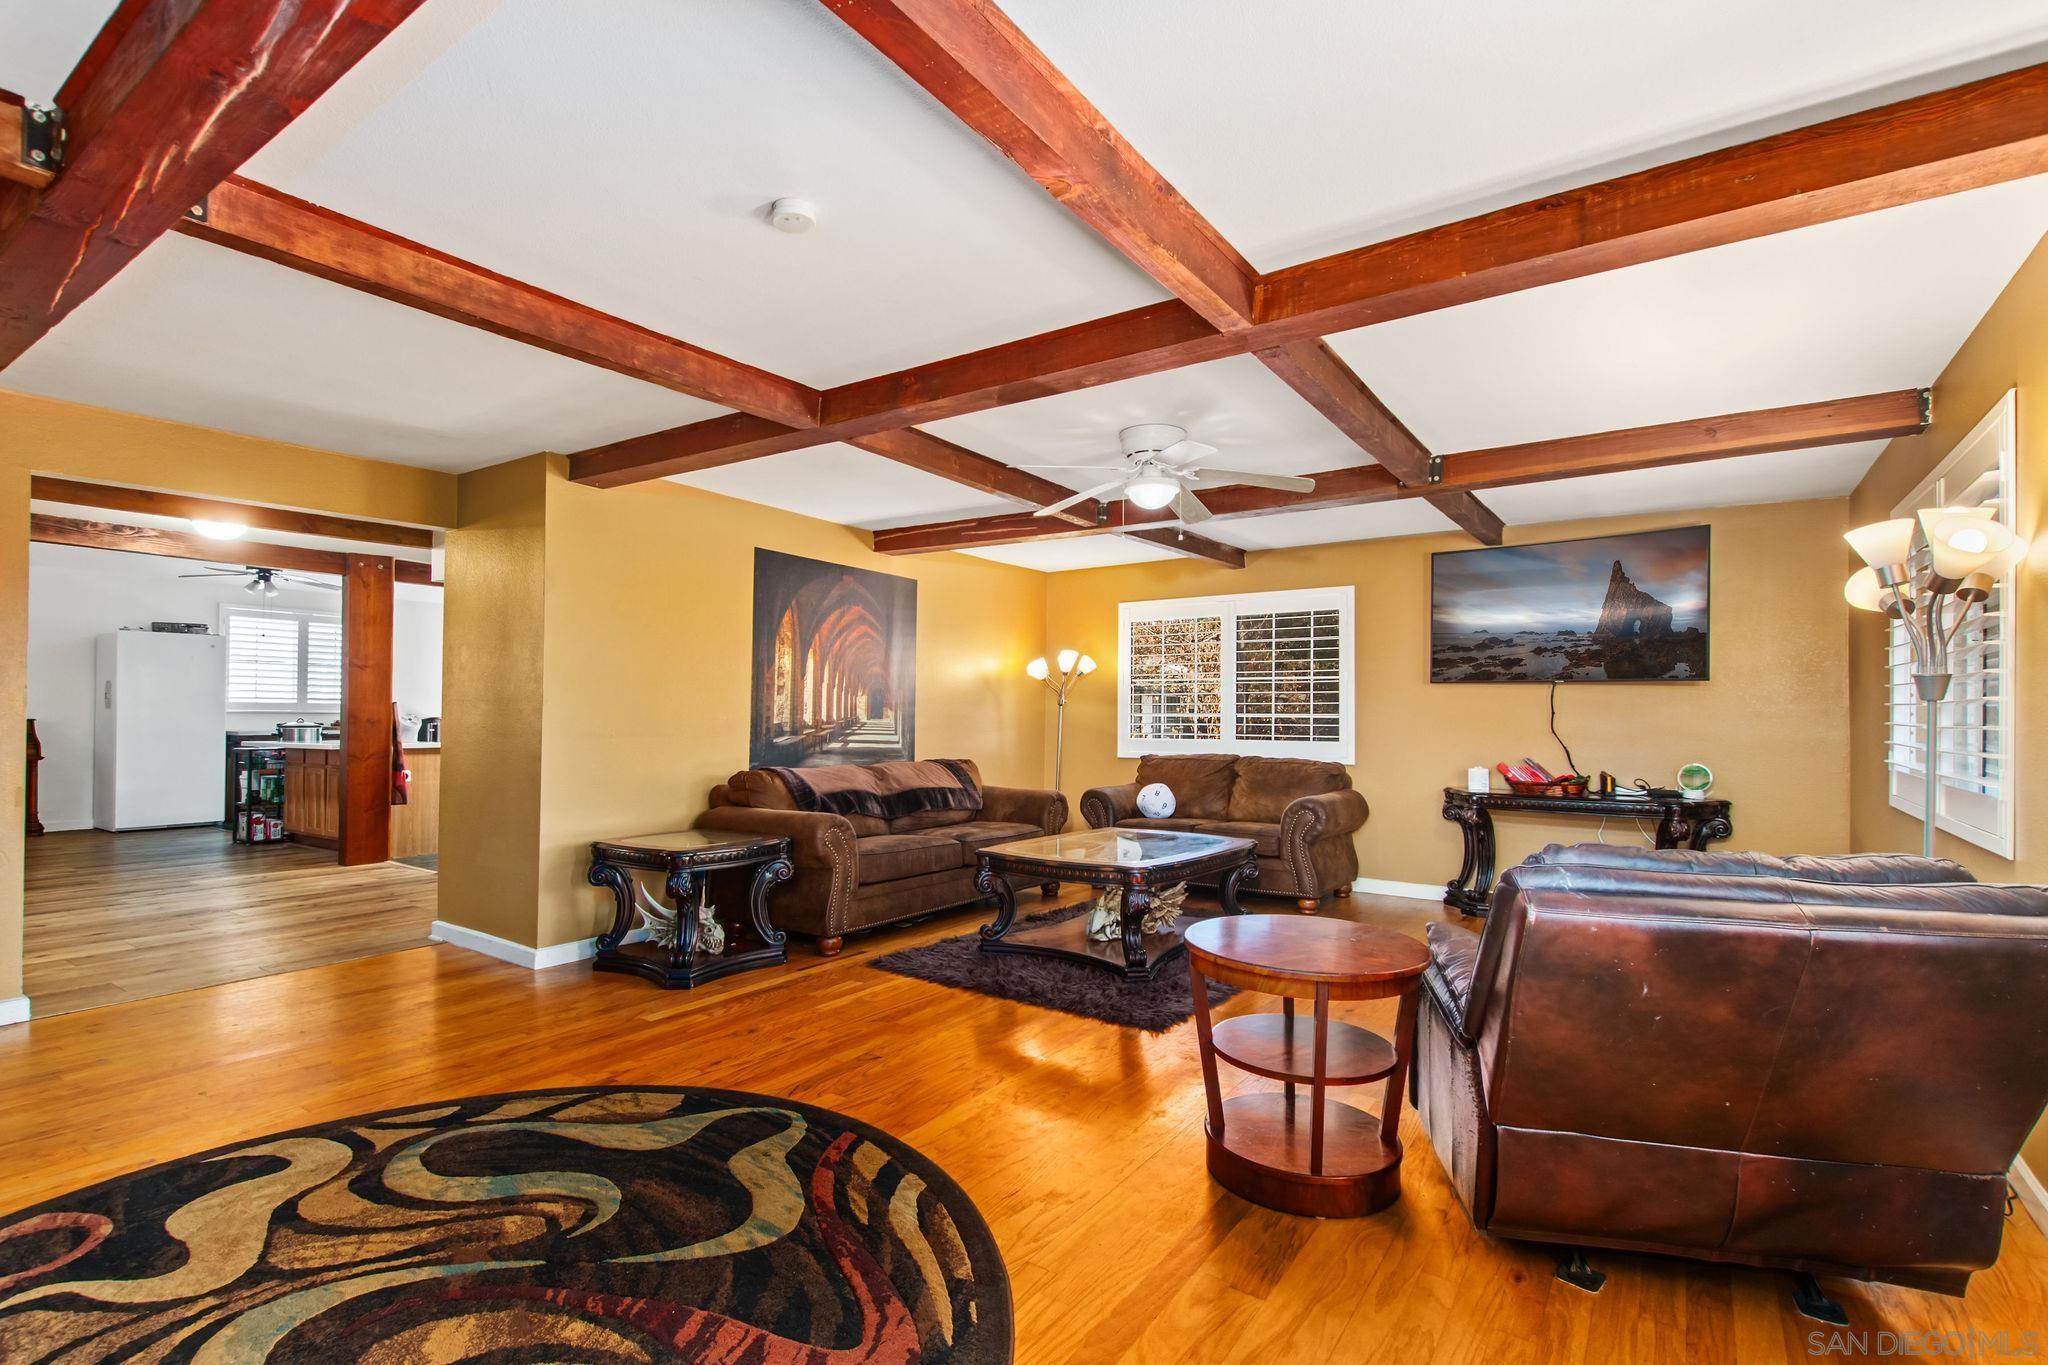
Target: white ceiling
(1076, 552)
(1315, 125)
(192, 333)
(1857, 306)
(621, 152)
(840, 483)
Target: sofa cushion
(979, 834)
(1265, 787)
(891, 857)
(930, 819)
(1265, 835)
(1200, 783)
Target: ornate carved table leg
(1471, 891)
(1246, 871)
(1707, 830)
(620, 883)
(767, 877)
(1137, 905)
(685, 893)
(1674, 830)
(997, 888)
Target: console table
(1681, 823)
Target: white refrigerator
(159, 713)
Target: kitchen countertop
(410, 744)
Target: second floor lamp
(1073, 667)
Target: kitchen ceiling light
(219, 530)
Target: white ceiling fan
(1163, 468)
(262, 582)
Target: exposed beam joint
(173, 97)
(922, 450)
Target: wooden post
(366, 709)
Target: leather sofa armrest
(816, 838)
(1454, 959)
(1102, 807)
(1026, 806)
(1313, 817)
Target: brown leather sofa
(1301, 813)
(1825, 1065)
(856, 872)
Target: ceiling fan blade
(215, 573)
(1292, 482)
(1082, 496)
(1189, 508)
(1186, 449)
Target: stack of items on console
(875, 843)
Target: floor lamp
(1969, 550)
(1073, 668)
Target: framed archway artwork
(835, 664)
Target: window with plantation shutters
(282, 660)
(1261, 673)
(1974, 724)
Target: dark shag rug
(1072, 987)
(603, 1223)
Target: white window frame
(1343, 749)
(299, 702)
(1973, 816)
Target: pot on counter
(298, 732)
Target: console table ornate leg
(766, 878)
(685, 896)
(998, 889)
(1137, 905)
(1471, 891)
(1247, 871)
(1706, 831)
(620, 883)
(1674, 830)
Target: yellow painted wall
(1769, 723)
(645, 648)
(2008, 349)
(43, 436)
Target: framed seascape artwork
(835, 664)
(1627, 608)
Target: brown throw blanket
(884, 791)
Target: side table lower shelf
(1264, 1157)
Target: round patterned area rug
(599, 1224)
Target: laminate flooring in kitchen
(114, 917)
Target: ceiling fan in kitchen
(1162, 468)
(262, 582)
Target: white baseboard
(2033, 1195)
(14, 1010)
(518, 954)
(1414, 891)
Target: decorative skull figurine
(1156, 801)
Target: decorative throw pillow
(1156, 802)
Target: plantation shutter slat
(263, 660)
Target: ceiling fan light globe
(1152, 491)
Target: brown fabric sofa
(856, 872)
(1301, 813)
(1825, 1065)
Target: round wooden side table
(1325, 1158)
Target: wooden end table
(694, 864)
(1140, 862)
(1325, 1159)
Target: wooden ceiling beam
(1977, 134)
(976, 62)
(47, 529)
(1983, 133)
(1182, 541)
(1878, 416)
(171, 100)
(1472, 516)
(267, 223)
(922, 450)
(115, 498)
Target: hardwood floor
(1081, 1142)
(114, 917)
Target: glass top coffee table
(1138, 862)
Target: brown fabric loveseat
(1825, 1065)
(1300, 813)
(856, 872)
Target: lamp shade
(1036, 668)
(1883, 543)
(1087, 665)
(1068, 658)
(1152, 491)
(1965, 544)
(1863, 590)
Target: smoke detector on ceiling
(793, 215)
